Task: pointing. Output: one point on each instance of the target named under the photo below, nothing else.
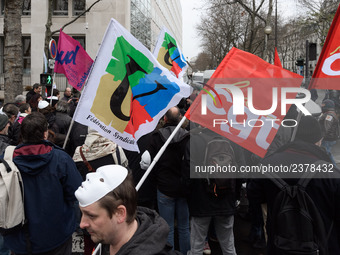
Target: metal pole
(307, 65)
(276, 23)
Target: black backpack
(211, 150)
(297, 227)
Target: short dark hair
(11, 110)
(173, 115)
(24, 107)
(56, 92)
(36, 85)
(33, 128)
(125, 194)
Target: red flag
(327, 71)
(72, 60)
(257, 82)
(277, 61)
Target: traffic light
(312, 51)
(300, 62)
(46, 79)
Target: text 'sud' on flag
(245, 83)
(72, 60)
(169, 55)
(128, 91)
(327, 71)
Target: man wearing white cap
(108, 201)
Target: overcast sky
(191, 16)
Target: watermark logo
(239, 100)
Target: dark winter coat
(147, 192)
(29, 95)
(63, 121)
(324, 192)
(150, 237)
(201, 202)
(50, 179)
(168, 171)
(329, 124)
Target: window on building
(141, 21)
(60, 7)
(78, 7)
(81, 40)
(26, 47)
(26, 7)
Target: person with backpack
(303, 210)
(329, 123)
(211, 199)
(50, 178)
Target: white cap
(100, 183)
(42, 104)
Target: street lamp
(267, 31)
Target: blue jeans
(328, 146)
(3, 249)
(168, 207)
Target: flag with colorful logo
(169, 54)
(72, 60)
(242, 100)
(327, 70)
(128, 91)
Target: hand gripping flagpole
(160, 153)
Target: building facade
(143, 18)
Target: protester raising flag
(327, 71)
(169, 55)
(128, 91)
(277, 61)
(242, 100)
(72, 60)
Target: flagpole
(68, 133)
(52, 89)
(160, 153)
(76, 110)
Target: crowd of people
(90, 186)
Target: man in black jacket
(167, 175)
(205, 206)
(329, 123)
(108, 201)
(35, 90)
(325, 192)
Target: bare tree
(203, 62)
(239, 23)
(320, 14)
(13, 64)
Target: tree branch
(72, 21)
